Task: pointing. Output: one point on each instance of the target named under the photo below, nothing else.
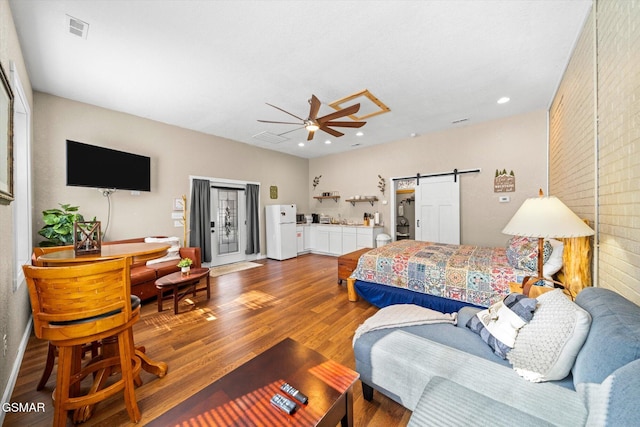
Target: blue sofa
(447, 375)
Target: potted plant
(185, 265)
(58, 225)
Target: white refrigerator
(281, 231)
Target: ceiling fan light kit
(325, 123)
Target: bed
(447, 277)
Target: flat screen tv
(99, 167)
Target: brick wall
(618, 41)
(572, 130)
(607, 60)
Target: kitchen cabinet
(308, 238)
(322, 239)
(335, 241)
(340, 239)
(300, 238)
(329, 240)
(349, 239)
(366, 237)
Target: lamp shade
(546, 217)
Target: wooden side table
(187, 282)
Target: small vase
(186, 270)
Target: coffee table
(242, 396)
(187, 282)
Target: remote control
(294, 392)
(284, 404)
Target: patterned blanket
(473, 274)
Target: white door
(228, 225)
(438, 210)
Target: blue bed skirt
(383, 295)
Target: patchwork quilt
(472, 274)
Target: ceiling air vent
(270, 137)
(77, 27)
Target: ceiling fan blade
(331, 131)
(345, 124)
(282, 123)
(310, 136)
(315, 107)
(285, 111)
(352, 109)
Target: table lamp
(545, 217)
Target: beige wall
(602, 82)
(517, 143)
(14, 305)
(175, 153)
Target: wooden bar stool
(74, 306)
(52, 351)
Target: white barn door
(438, 209)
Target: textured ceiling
(212, 65)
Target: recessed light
(359, 133)
(504, 100)
(327, 142)
(300, 144)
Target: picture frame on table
(6, 139)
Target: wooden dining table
(137, 252)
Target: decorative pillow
(172, 253)
(554, 263)
(522, 253)
(499, 324)
(546, 348)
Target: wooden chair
(52, 351)
(74, 306)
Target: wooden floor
(249, 311)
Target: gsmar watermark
(23, 407)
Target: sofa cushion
(546, 348)
(142, 274)
(164, 268)
(614, 338)
(405, 363)
(445, 402)
(498, 325)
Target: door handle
(213, 226)
(418, 224)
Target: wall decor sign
(504, 182)
(6, 138)
(87, 238)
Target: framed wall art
(6, 139)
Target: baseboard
(13, 378)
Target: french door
(228, 225)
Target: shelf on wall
(364, 199)
(321, 198)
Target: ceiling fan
(324, 123)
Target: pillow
(554, 263)
(499, 324)
(546, 348)
(522, 253)
(172, 241)
(172, 253)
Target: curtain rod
(454, 172)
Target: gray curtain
(200, 218)
(253, 219)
